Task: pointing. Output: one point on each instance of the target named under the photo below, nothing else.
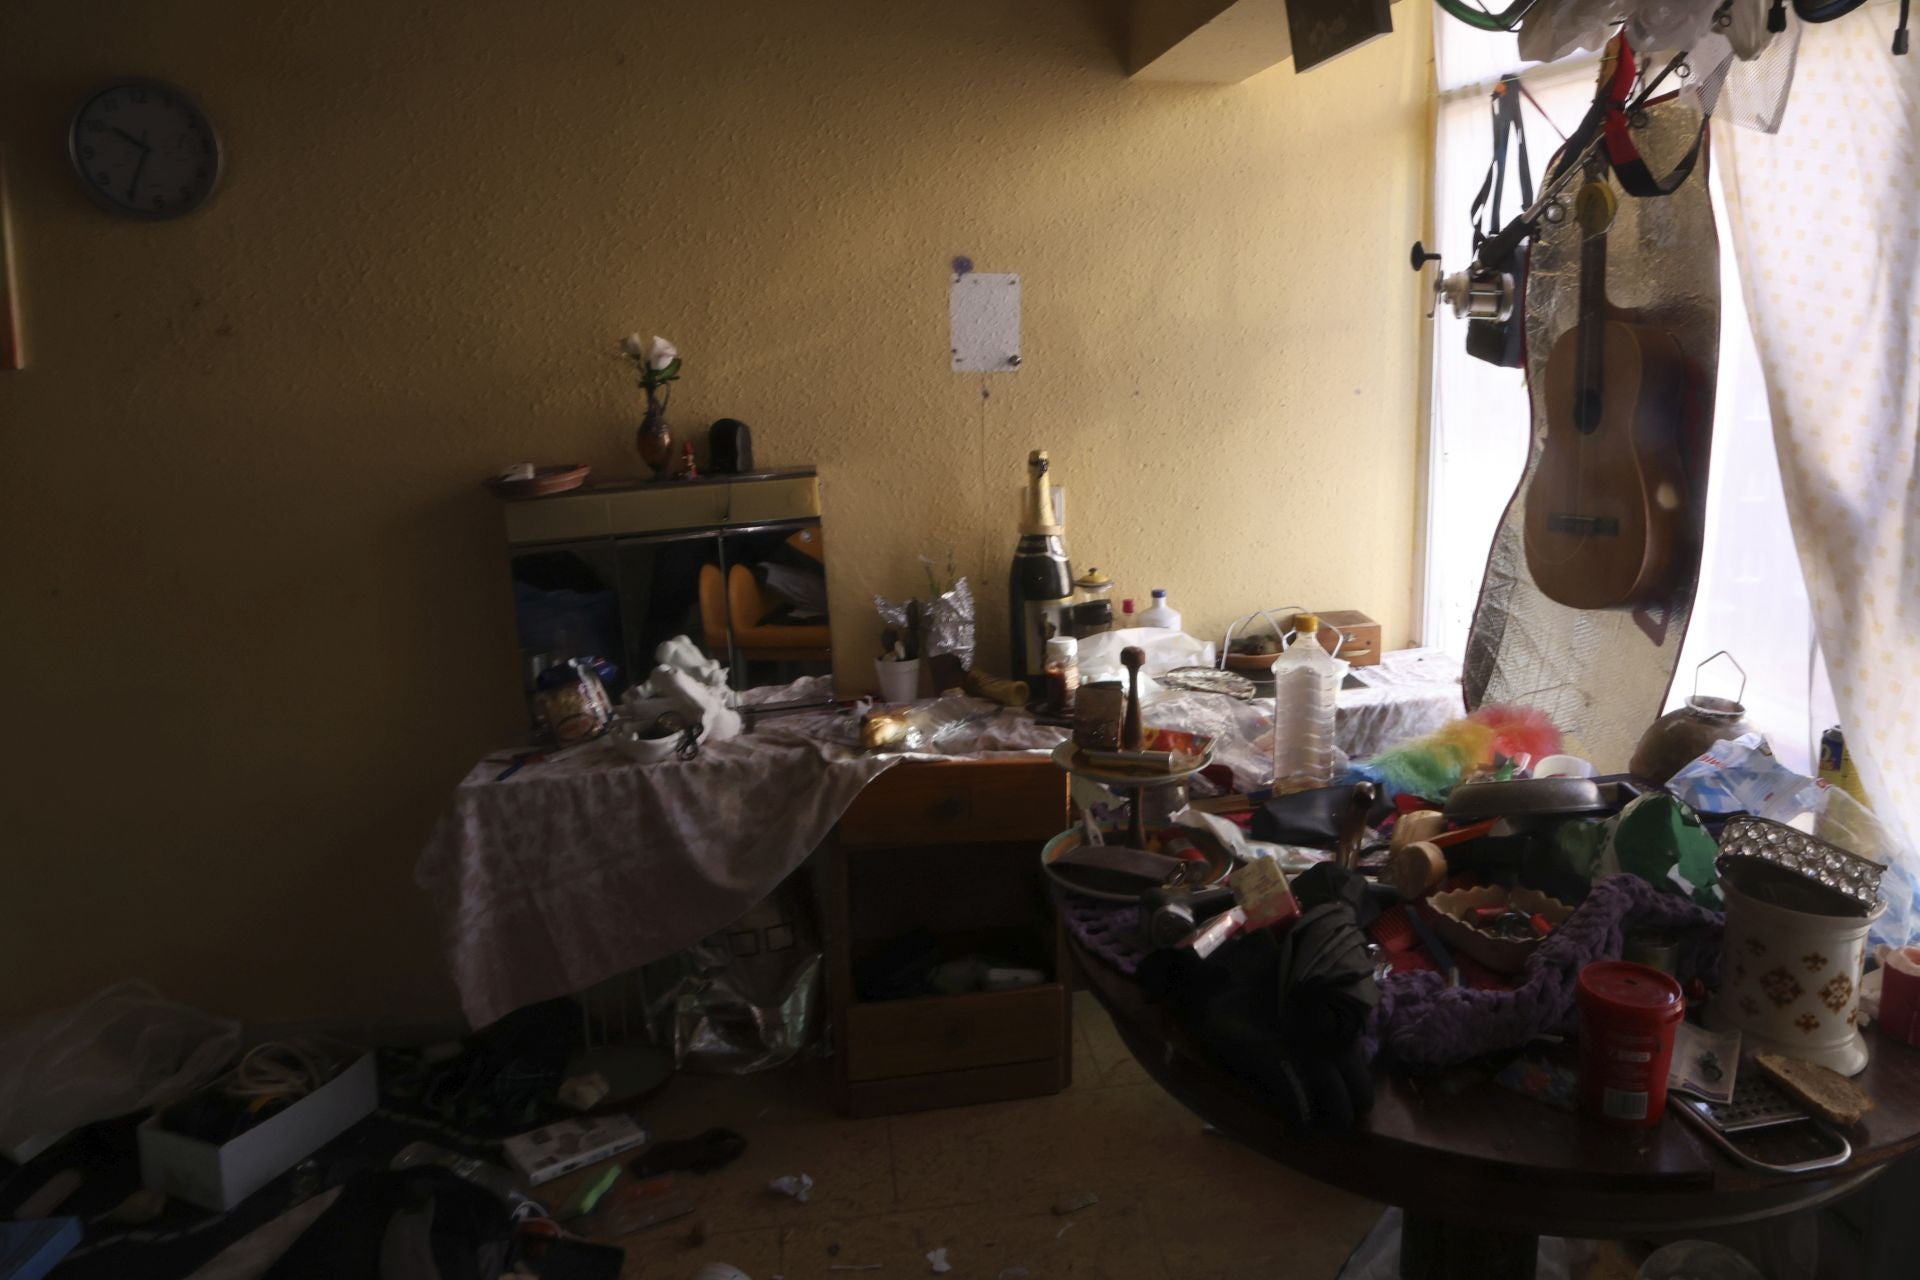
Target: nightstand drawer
(931, 1034)
(959, 803)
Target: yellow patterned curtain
(1825, 216)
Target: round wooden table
(1482, 1172)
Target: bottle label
(1043, 620)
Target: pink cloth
(577, 869)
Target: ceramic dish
(545, 481)
(1071, 758)
(1449, 913)
(642, 745)
(1219, 859)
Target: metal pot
(1686, 733)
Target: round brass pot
(1684, 734)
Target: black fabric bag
(465, 1229)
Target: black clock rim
(114, 206)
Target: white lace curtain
(1825, 217)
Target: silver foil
(1603, 675)
(745, 999)
(948, 621)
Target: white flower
(660, 352)
(632, 345)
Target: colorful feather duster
(1432, 766)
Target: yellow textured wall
(254, 620)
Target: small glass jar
(1063, 673)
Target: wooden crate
(951, 847)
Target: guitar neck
(1592, 322)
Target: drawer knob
(948, 809)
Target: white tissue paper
(691, 683)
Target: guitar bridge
(1596, 526)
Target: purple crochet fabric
(1421, 1021)
(1110, 932)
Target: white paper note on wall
(983, 311)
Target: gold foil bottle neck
(1039, 514)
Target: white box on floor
(220, 1177)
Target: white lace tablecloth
(583, 867)
(586, 866)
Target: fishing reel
(1487, 299)
(1473, 294)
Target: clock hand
(130, 138)
(133, 184)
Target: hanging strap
(1507, 124)
(1635, 177)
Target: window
(1479, 430)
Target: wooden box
(951, 847)
(1363, 636)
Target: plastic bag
(1100, 654)
(123, 1050)
(1555, 28)
(1659, 25)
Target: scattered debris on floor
(584, 1093)
(797, 1185)
(1075, 1203)
(1015, 1273)
(937, 1259)
(720, 1271)
(854, 1266)
(1063, 1230)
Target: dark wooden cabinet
(951, 848)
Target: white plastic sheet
(123, 1050)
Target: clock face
(144, 149)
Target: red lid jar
(1628, 1013)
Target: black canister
(729, 447)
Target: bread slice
(1827, 1094)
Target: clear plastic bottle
(1161, 614)
(1306, 682)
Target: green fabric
(1652, 837)
(1657, 834)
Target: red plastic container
(1628, 1013)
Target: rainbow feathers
(1432, 766)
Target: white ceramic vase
(1790, 981)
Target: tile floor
(981, 1181)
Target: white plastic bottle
(1306, 682)
(1162, 614)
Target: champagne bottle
(1041, 582)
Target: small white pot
(899, 681)
(1790, 981)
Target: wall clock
(143, 149)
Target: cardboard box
(220, 1177)
(566, 1145)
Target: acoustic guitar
(1605, 510)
